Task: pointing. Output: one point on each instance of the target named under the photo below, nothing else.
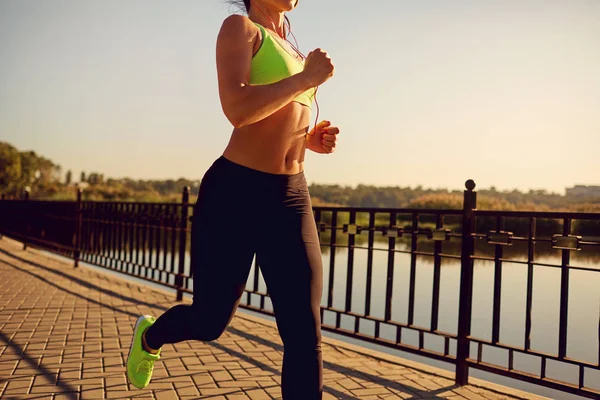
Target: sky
(426, 92)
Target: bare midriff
(275, 145)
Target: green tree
(10, 168)
(95, 178)
(29, 168)
(69, 177)
(49, 173)
(439, 200)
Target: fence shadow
(385, 383)
(67, 390)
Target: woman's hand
(322, 138)
(318, 67)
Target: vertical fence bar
(157, 227)
(122, 236)
(119, 235)
(137, 218)
(100, 224)
(26, 197)
(437, 272)
(466, 285)
(173, 229)
(109, 237)
(564, 294)
(144, 225)
(87, 226)
(332, 248)
(103, 233)
(185, 199)
(84, 240)
(350, 272)
(107, 234)
(497, 285)
(78, 225)
(151, 240)
(530, 260)
(97, 249)
(389, 283)
(113, 236)
(543, 368)
(165, 242)
(157, 231)
(413, 269)
(369, 284)
(131, 237)
(173, 238)
(91, 223)
(147, 254)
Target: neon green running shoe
(140, 363)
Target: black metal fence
(374, 260)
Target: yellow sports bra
(272, 63)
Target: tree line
(26, 170)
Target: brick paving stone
(169, 394)
(258, 394)
(220, 376)
(96, 392)
(188, 389)
(65, 334)
(237, 397)
(66, 396)
(21, 383)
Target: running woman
(257, 188)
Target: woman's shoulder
(237, 29)
(236, 23)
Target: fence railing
(454, 285)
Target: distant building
(583, 191)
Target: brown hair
(247, 3)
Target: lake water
(583, 321)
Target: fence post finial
(470, 185)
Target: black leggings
(241, 212)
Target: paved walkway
(65, 334)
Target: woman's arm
(244, 104)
